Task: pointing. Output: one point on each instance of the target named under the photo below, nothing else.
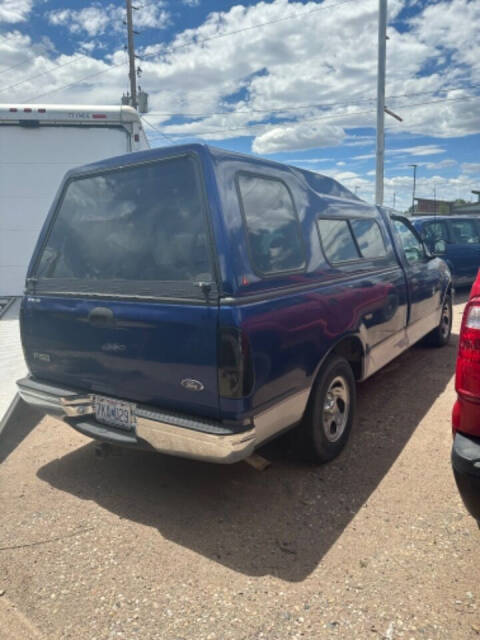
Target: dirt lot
(374, 545)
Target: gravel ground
(374, 545)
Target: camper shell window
(273, 229)
(140, 230)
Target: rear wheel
(328, 419)
(440, 336)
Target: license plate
(114, 413)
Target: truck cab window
(433, 233)
(464, 232)
(369, 238)
(412, 246)
(337, 241)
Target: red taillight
(27, 110)
(98, 116)
(467, 382)
(475, 290)
(466, 412)
(13, 109)
(42, 110)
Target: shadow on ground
(461, 294)
(16, 427)
(281, 521)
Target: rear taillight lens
(235, 368)
(467, 382)
(475, 290)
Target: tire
(440, 336)
(329, 415)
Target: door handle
(101, 317)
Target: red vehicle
(466, 411)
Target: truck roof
(67, 113)
(316, 181)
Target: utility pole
(382, 54)
(131, 56)
(414, 185)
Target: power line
(44, 73)
(152, 126)
(320, 105)
(264, 124)
(325, 117)
(15, 66)
(265, 24)
(197, 42)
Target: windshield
(144, 223)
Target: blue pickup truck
(200, 302)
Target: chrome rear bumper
(165, 432)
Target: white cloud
(14, 11)
(92, 20)
(14, 48)
(359, 141)
(88, 46)
(451, 26)
(309, 160)
(296, 137)
(364, 156)
(471, 167)
(98, 18)
(400, 186)
(419, 150)
(240, 82)
(267, 68)
(443, 164)
(446, 188)
(151, 15)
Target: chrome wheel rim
(445, 321)
(336, 409)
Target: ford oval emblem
(192, 385)
(114, 347)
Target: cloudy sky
(290, 80)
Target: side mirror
(413, 254)
(427, 249)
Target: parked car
(466, 411)
(456, 239)
(201, 302)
